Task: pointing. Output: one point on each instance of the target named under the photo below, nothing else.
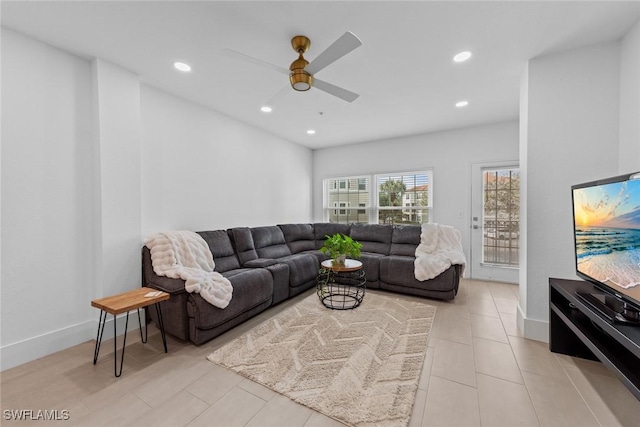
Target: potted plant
(339, 246)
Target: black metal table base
(341, 290)
(103, 318)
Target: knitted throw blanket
(440, 247)
(185, 255)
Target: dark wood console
(577, 329)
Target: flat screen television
(606, 221)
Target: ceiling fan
(302, 72)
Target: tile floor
(478, 371)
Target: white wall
(92, 162)
(629, 157)
(47, 213)
(571, 130)
(449, 154)
(204, 171)
(116, 97)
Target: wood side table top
(128, 301)
(349, 265)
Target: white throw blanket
(185, 255)
(440, 247)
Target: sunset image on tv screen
(607, 227)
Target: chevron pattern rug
(360, 367)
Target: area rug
(360, 367)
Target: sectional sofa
(267, 265)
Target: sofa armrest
(260, 263)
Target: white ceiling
(404, 72)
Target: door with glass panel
(495, 222)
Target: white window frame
(429, 208)
(372, 209)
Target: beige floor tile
(423, 382)
(319, 420)
(504, 290)
(506, 305)
(489, 328)
(557, 402)
(215, 384)
(504, 403)
(483, 307)
(121, 412)
(159, 389)
(451, 404)
(256, 389)
(534, 356)
(130, 380)
(177, 411)
(608, 399)
(477, 289)
(496, 359)
(234, 409)
(418, 409)
(455, 362)
(454, 328)
(510, 324)
(280, 411)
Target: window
(351, 195)
(414, 188)
(501, 216)
(401, 198)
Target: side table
(341, 287)
(125, 302)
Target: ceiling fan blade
(345, 44)
(275, 99)
(334, 90)
(241, 56)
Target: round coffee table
(341, 287)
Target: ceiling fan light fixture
(300, 80)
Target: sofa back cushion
(405, 239)
(269, 242)
(323, 229)
(375, 238)
(299, 237)
(243, 241)
(222, 250)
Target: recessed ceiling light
(266, 109)
(462, 56)
(182, 66)
(461, 104)
(311, 132)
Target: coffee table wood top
(128, 301)
(349, 265)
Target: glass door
(495, 222)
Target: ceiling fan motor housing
(299, 78)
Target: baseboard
(12, 355)
(533, 329)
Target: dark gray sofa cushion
(269, 242)
(251, 287)
(323, 229)
(243, 242)
(222, 250)
(405, 239)
(375, 238)
(299, 237)
(399, 270)
(303, 269)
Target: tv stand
(577, 328)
